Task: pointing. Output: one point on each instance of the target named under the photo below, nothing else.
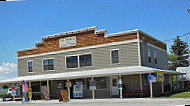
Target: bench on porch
(140, 93)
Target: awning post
(48, 88)
(120, 89)
(162, 83)
(68, 89)
(171, 82)
(151, 93)
(93, 95)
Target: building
(89, 55)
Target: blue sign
(152, 78)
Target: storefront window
(35, 86)
(101, 82)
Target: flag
(24, 87)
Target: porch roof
(92, 73)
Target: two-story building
(90, 54)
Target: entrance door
(114, 86)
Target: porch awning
(92, 73)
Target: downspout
(139, 50)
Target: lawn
(178, 95)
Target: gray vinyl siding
(162, 60)
(128, 56)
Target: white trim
(121, 33)
(43, 64)
(139, 49)
(111, 56)
(82, 48)
(32, 66)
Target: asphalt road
(104, 102)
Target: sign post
(93, 87)
(151, 78)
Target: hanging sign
(160, 77)
(92, 85)
(67, 42)
(68, 84)
(152, 78)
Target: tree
(180, 53)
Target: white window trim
(156, 58)
(43, 64)
(78, 60)
(32, 66)
(111, 56)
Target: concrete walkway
(105, 102)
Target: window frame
(155, 57)
(149, 56)
(71, 56)
(111, 56)
(85, 54)
(78, 55)
(43, 64)
(32, 66)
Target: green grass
(178, 95)
(181, 95)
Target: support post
(68, 89)
(151, 93)
(13, 96)
(120, 82)
(141, 88)
(93, 95)
(31, 88)
(48, 88)
(162, 83)
(171, 82)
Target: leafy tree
(180, 53)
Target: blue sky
(22, 23)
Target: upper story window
(48, 64)
(77, 61)
(30, 66)
(155, 58)
(72, 61)
(85, 60)
(115, 56)
(149, 56)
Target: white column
(13, 96)
(48, 92)
(68, 89)
(171, 82)
(120, 82)
(151, 93)
(29, 84)
(93, 94)
(141, 82)
(162, 83)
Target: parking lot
(104, 102)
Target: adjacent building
(89, 55)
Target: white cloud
(8, 70)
